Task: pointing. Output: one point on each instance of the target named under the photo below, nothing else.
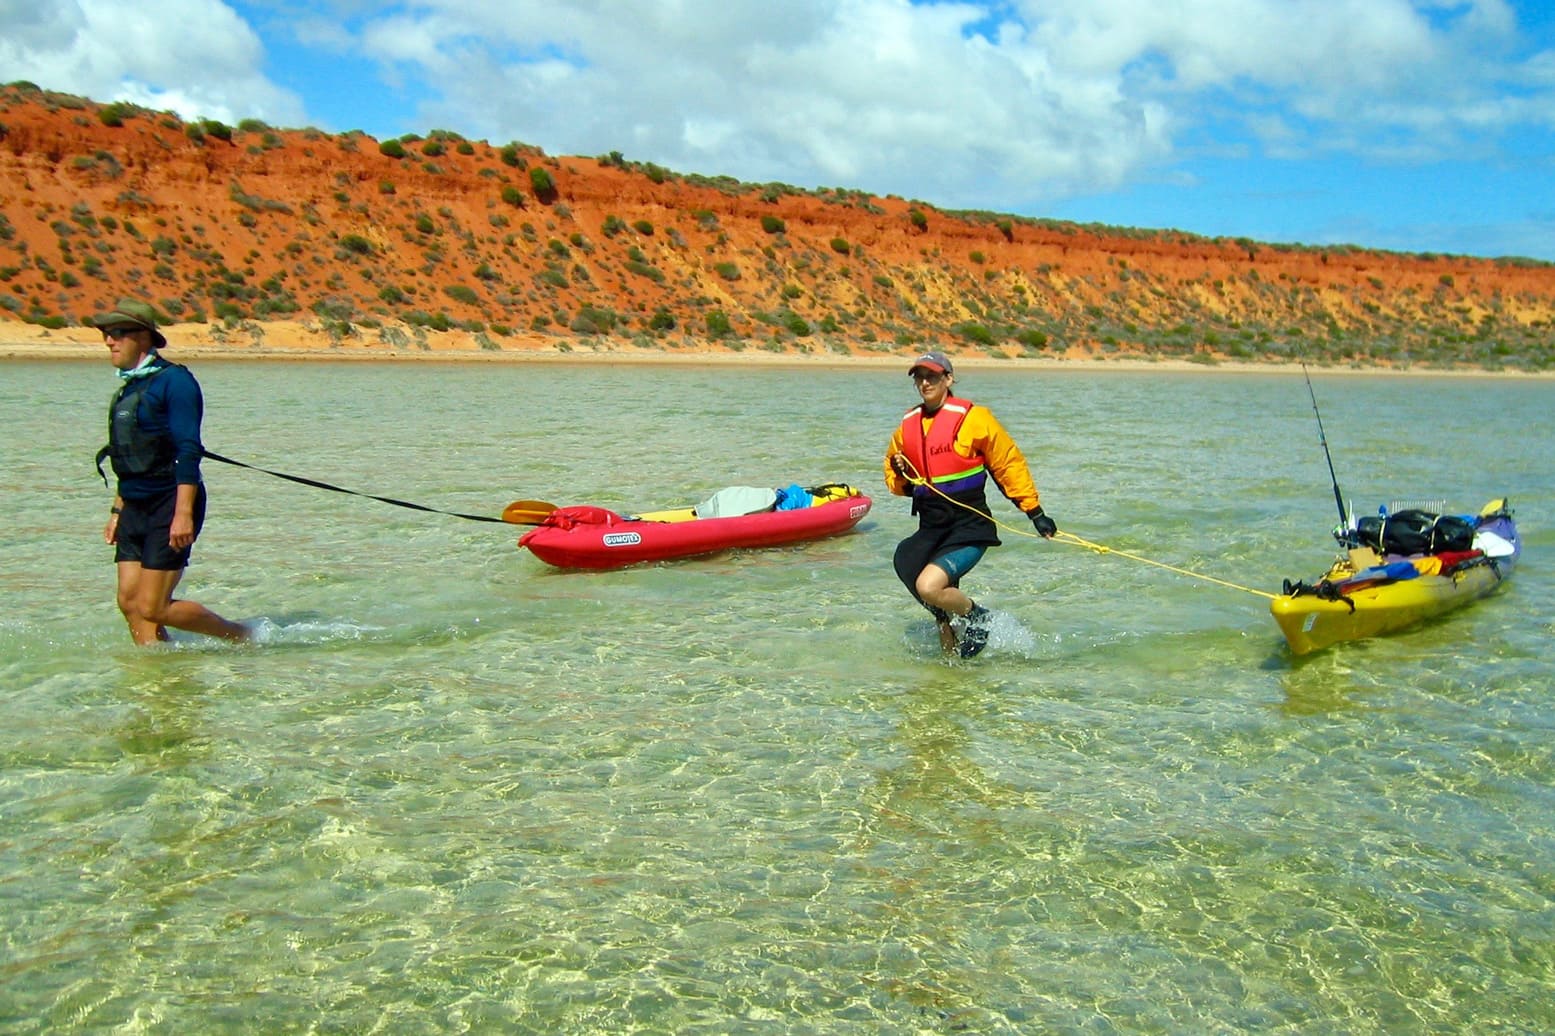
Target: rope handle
(914, 478)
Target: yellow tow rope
(1070, 538)
(1066, 537)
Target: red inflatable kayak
(594, 537)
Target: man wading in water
(954, 446)
(154, 445)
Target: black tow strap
(337, 489)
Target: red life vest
(934, 455)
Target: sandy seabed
(289, 340)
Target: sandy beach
(293, 341)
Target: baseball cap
(935, 361)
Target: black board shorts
(146, 525)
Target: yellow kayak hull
(1311, 623)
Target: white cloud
(858, 91)
(969, 103)
(1352, 70)
(195, 57)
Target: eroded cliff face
(235, 227)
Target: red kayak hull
(621, 541)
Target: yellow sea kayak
(1365, 594)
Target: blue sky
(1408, 125)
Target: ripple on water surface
(453, 789)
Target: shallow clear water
(454, 790)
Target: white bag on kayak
(737, 500)
(1494, 546)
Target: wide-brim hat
(937, 362)
(131, 313)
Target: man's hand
(1045, 526)
(181, 532)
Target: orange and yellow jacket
(955, 456)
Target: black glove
(1045, 526)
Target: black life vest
(133, 451)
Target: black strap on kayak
(338, 489)
(1325, 590)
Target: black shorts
(144, 528)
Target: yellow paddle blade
(527, 512)
(678, 514)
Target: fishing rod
(1323, 438)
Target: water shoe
(976, 636)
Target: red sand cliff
(518, 250)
